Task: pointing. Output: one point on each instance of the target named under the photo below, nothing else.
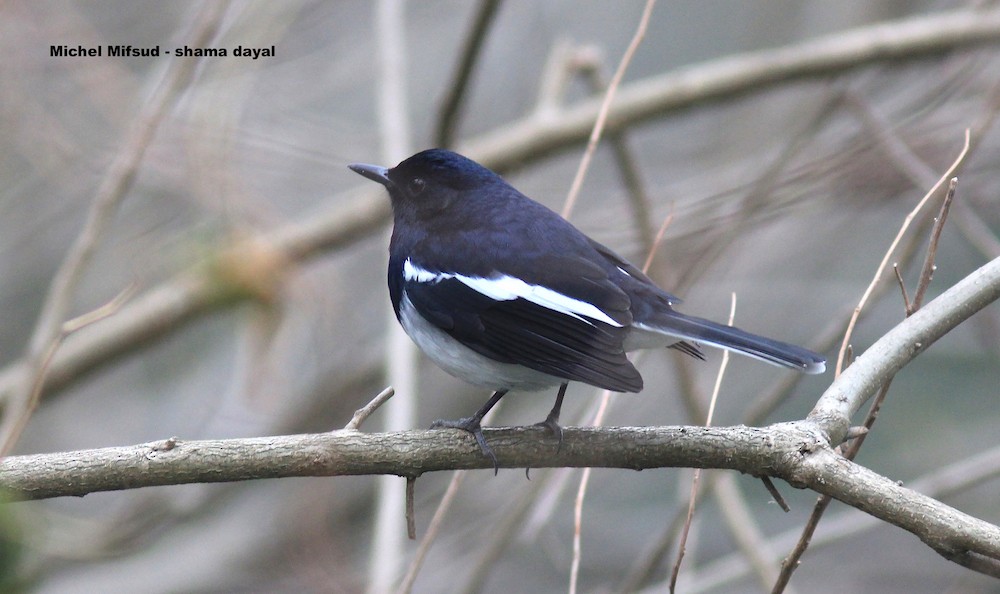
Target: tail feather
(730, 338)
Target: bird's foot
(552, 424)
(471, 425)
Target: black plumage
(502, 292)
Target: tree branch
(795, 452)
(730, 77)
(902, 344)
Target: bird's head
(430, 181)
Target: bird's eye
(416, 185)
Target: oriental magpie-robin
(503, 293)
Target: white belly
(465, 363)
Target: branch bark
(796, 452)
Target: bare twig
(775, 494)
(574, 192)
(366, 411)
(693, 496)
(411, 518)
(103, 312)
(901, 344)
(902, 288)
(657, 240)
(602, 114)
(750, 540)
(433, 529)
(589, 63)
(469, 55)
(444, 506)
(892, 248)
(927, 272)
(904, 39)
(581, 494)
(791, 563)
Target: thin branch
(433, 529)
(742, 524)
(901, 344)
(774, 493)
(726, 78)
(927, 272)
(411, 518)
(581, 494)
(902, 288)
(366, 411)
(791, 563)
(892, 247)
(589, 63)
(693, 496)
(602, 113)
(457, 90)
(114, 186)
(69, 327)
(574, 192)
(444, 506)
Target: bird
(504, 293)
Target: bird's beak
(372, 172)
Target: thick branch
(403, 453)
(948, 531)
(795, 452)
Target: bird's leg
(473, 425)
(552, 421)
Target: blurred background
(785, 190)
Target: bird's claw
(470, 425)
(552, 424)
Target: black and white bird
(505, 294)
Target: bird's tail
(779, 353)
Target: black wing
(522, 332)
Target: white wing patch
(508, 288)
